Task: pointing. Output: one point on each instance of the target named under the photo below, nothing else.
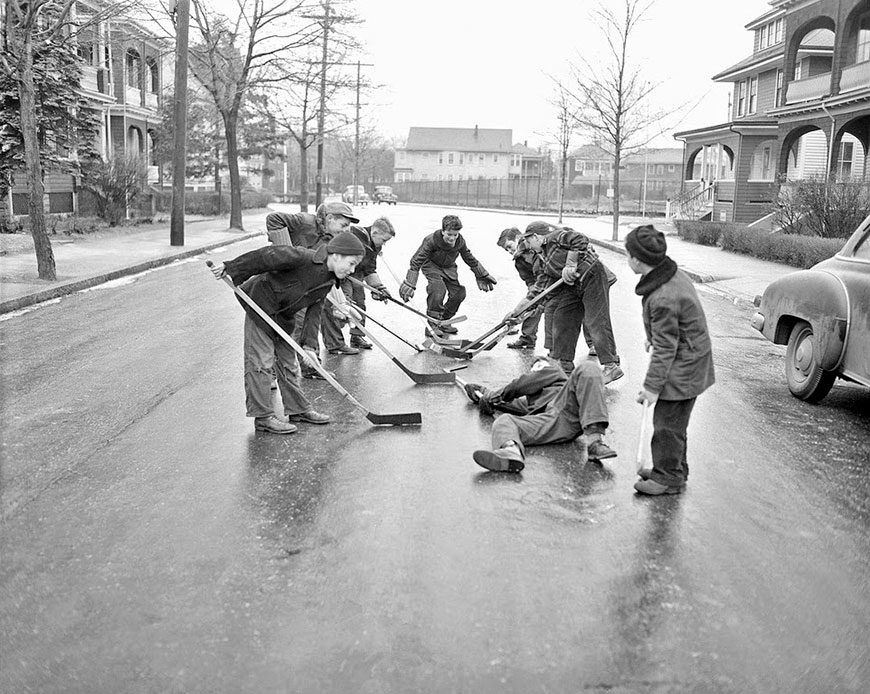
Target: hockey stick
(437, 321)
(642, 436)
(413, 375)
(395, 419)
(396, 335)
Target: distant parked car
(823, 315)
(384, 194)
(362, 198)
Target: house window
(450, 158)
(461, 160)
(671, 168)
(153, 75)
(424, 177)
(777, 30)
(863, 52)
(480, 159)
(495, 159)
(798, 69)
(440, 157)
(753, 94)
(134, 72)
(425, 155)
(844, 160)
(777, 94)
(741, 98)
(449, 177)
(764, 37)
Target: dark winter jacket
(369, 263)
(302, 227)
(283, 280)
(681, 364)
(438, 259)
(525, 261)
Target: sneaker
(500, 460)
(344, 349)
(653, 488)
(644, 473)
(472, 390)
(273, 425)
(360, 342)
(312, 417)
(598, 450)
(522, 343)
(449, 329)
(612, 372)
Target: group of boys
(312, 256)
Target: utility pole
(318, 188)
(182, 25)
(356, 141)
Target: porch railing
(694, 202)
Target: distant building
(654, 173)
(800, 107)
(450, 154)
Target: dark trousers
(670, 422)
(585, 304)
(357, 296)
(440, 288)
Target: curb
(88, 282)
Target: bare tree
(611, 96)
(38, 36)
(566, 117)
(231, 57)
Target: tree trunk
(230, 123)
(617, 161)
(303, 173)
(33, 167)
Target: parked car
(362, 198)
(384, 194)
(823, 315)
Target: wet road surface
(153, 542)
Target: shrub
(790, 249)
(114, 184)
(828, 209)
(206, 202)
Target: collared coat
(438, 259)
(681, 364)
(283, 280)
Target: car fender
(814, 296)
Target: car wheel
(806, 379)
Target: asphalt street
(152, 541)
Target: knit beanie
(345, 243)
(647, 244)
(538, 228)
(451, 223)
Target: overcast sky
(461, 63)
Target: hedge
(703, 233)
(790, 249)
(206, 202)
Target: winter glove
(406, 291)
(486, 282)
(488, 400)
(381, 293)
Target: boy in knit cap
(436, 257)
(681, 364)
(282, 280)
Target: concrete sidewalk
(91, 260)
(88, 261)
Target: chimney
(525, 143)
(475, 131)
